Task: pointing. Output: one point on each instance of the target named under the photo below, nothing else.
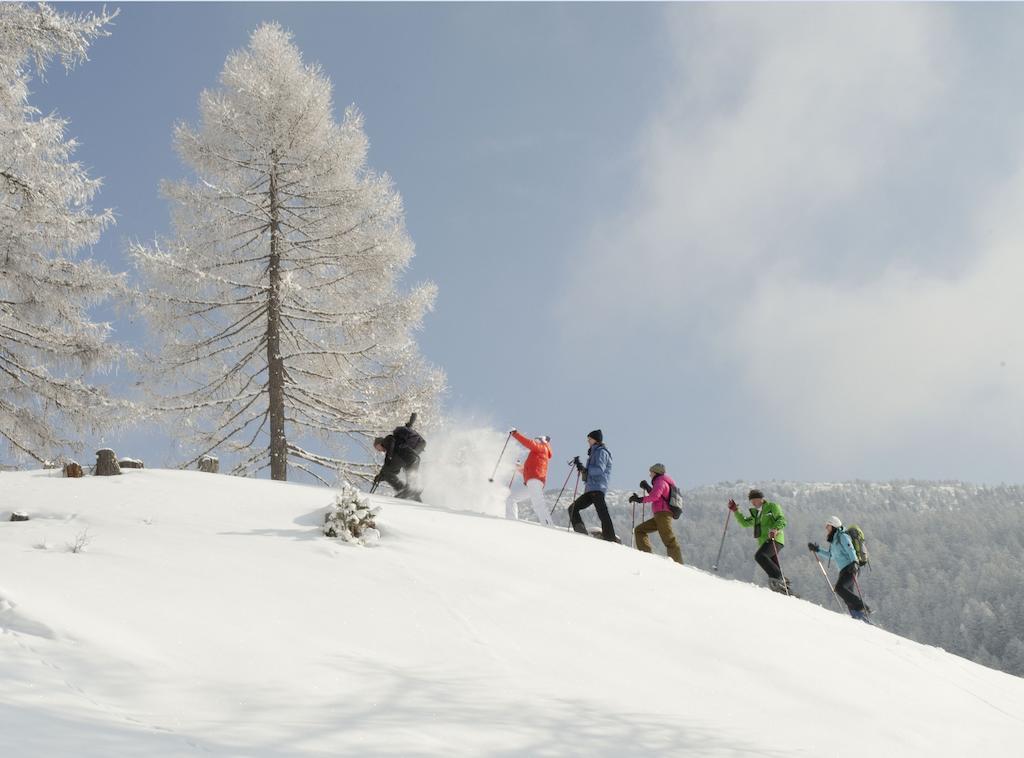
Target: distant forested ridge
(946, 557)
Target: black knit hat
(596, 436)
(755, 494)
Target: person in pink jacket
(661, 516)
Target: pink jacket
(659, 493)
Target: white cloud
(783, 120)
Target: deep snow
(208, 615)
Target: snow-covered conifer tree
(276, 300)
(48, 343)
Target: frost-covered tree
(353, 517)
(48, 344)
(276, 301)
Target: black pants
(845, 588)
(765, 557)
(400, 462)
(594, 498)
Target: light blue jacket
(599, 468)
(840, 549)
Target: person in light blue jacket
(840, 549)
(596, 473)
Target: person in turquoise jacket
(768, 523)
(840, 549)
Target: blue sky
(749, 241)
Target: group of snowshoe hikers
(402, 449)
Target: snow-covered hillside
(209, 616)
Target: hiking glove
(732, 506)
(579, 466)
(635, 498)
(645, 486)
(812, 546)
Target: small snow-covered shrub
(81, 542)
(352, 517)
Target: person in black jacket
(401, 450)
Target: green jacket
(768, 516)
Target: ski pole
(514, 472)
(785, 581)
(824, 573)
(500, 456)
(859, 590)
(722, 544)
(561, 491)
(633, 532)
(575, 489)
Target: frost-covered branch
(48, 343)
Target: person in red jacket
(534, 475)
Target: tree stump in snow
(106, 463)
(209, 463)
(131, 463)
(73, 470)
(19, 516)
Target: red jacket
(536, 466)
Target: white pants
(532, 490)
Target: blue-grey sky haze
(749, 241)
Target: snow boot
(409, 494)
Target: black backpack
(409, 438)
(675, 501)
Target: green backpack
(857, 538)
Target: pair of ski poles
(833, 589)
(775, 547)
(643, 517)
(576, 488)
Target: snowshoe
(782, 586)
(861, 616)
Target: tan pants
(662, 524)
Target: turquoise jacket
(840, 549)
(767, 517)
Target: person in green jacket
(768, 522)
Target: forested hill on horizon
(945, 557)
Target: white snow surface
(208, 615)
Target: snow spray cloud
(459, 460)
